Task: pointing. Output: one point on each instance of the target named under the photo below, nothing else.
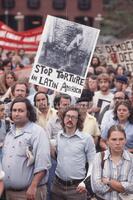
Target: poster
(63, 56)
(117, 53)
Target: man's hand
(94, 109)
(31, 192)
(1, 187)
(81, 188)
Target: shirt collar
(77, 133)
(24, 129)
(125, 155)
(126, 124)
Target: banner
(64, 55)
(119, 53)
(12, 40)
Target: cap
(122, 79)
(86, 96)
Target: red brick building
(26, 14)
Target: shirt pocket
(22, 149)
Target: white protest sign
(64, 55)
(117, 53)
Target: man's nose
(20, 92)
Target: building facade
(27, 14)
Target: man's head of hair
(64, 96)
(80, 119)
(1, 102)
(20, 82)
(103, 76)
(31, 114)
(38, 94)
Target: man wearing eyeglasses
(73, 149)
(90, 122)
(108, 115)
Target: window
(85, 20)
(84, 4)
(32, 21)
(106, 2)
(8, 4)
(33, 4)
(59, 4)
(10, 21)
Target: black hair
(80, 120)
(40, 93)
(64, 96)
(31, 114)
(1, 102)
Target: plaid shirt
(122, 172)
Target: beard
(104, 89)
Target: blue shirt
(2, 131)
(107, 118)
(73, 152)
(128, 130)
(14, 162)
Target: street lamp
(97, 21)
(20, 20)
(6, 16)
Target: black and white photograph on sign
(67, 46)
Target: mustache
(69, 122)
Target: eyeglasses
(72, 117)
(83, 105)
(118, 98)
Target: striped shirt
(122, 172)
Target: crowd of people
(50, 143)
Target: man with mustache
(43, 110)
(73, 149)
(19, 89)
(53, 127)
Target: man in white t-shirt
(103, 97)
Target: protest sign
(63, 56)
(117, 53)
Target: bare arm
(81, 188)
(116, 185)
(113, 184)
(1, 187)
(31, 192)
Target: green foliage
(118, 20)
